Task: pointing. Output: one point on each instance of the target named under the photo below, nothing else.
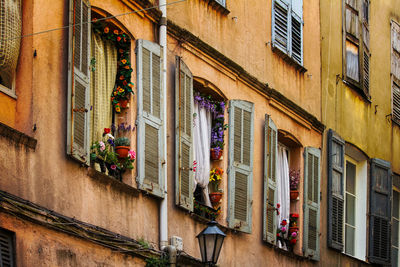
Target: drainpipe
(164, 201)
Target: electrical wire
(100, 19)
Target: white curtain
(283, 187)
(202, 145)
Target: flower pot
(293, 229)
(216, 154)
(215, 197)
(122, 151)
(294, 194)
(123, 103)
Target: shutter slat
(396, 101)
(366, 73)
(241, 196)
(77, 33)
(85, 37)
(297, 45)
(146, 81)
(238, 135)
(6, 249)
(280, 33)
(151, 154)
(246, 137)
(156, 85)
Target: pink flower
(113, 167)
(283, 229)
(131, 154)
(102, 146)
(294, 234)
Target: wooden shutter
(184, 135)
(280, 25)
(311, 202)
(380, 212)
(395, 71)
(78, 143)
(150, 128)
(240, 172)
(270, 195)
(395, 102)
(336, 147)
(6, 249)
(296, 39)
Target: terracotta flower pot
(216, 154)
(293, 229)
(122, 151)
(294, 194)
(215, 197)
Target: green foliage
(122, 141)
(143, 243)
(157, 262)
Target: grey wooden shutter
(78, 143)
(150, 127)
(184, 135)
(280, 24)
(240, 170)
(380, 212)
(311, 202)
(395, 71)
(6, 249)
(335, 211)
(270, 196)
(296, 39)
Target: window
(395, 220)
(10, 30)
(7, 248)
(287, 28)
(240, 151)
(356, 44)
(395, 72)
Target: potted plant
(293, 223)
(122, 146)
(215, 180)
(294, 179)
(218, 131)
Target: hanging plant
(123, 87)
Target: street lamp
(210, 242)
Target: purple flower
(110, 141)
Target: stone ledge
(17, 136)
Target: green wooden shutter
(270, 196)
(6, 249)
(280, 24)
(380, 212)
(78, 143)
(150, 127)
(240, 170)
(335, 190)
(311, 202)
(184, 135)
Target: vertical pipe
(164, 201)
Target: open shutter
(380, 212)
(240, 172)
(270, 155)
(150, 118)
(280, 24)
(6, 249)
(78, 143)
(184, 135)
(311, 202)
(297, 31)
(335, 190)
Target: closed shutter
(150, 118)
(380, 212)
(184, 135)
(6, 249)
(395, 70)
(78, 142)
(297, 31)
(240, 172)
(311, 202)
(336, 147)
(270, 195)
(280, 25)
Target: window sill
(8, 92)
(17, 137)
(287, 253)
(112, 182)
(354, 258)
(288, 59)
(217, 6)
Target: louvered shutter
(6, 249)
(366, 59)
(380, 212)
(311, 202)
(297, 31)
(78, 143)
(395, 70)
(240, 172)
(336, 147)
(184, 135)
(280, 25)
(150, 118)
(396, 102)
(270, 195)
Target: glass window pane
(395, 257)
(350, 233)
(337, 183)
(336, 154)
(396, 204)
(395, 233)
(352, 64)
(350, 204)
(350, 177)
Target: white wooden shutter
(78, 143)
(270, 194)
(311, 202)
(240, 172)
(280, 24)
(150, 118)
(184, 135)
(296, 39)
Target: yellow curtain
(10, 30)
(102, 84)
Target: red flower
(118, 38)
(293, 241)
(107, 130)
(121, 50)
(278, 205)
(125, 82)
(115, 31)
(294, 215)
(284, 222)
(121, 77)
